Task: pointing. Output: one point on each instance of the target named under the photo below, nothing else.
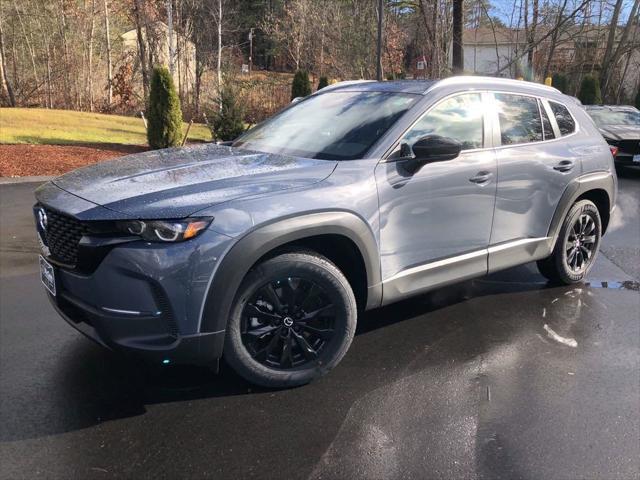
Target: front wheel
(293, 319)
(577, 245)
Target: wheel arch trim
(261, 240)
(601, 180)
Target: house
(184, 52)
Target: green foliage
(638, 99)
(323, 82)
(301, 86)
(559, 81)
(590, 91)
(164, 116)
(228, 121)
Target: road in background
(502, 377)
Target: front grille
(63, 234)
(629, 146)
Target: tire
(285, 298)
(576, 247)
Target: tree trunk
(611, 67)
(457, 51)
(170, 36)
(90, 54)
(142, 51)
(608, 52)
(109, 63)
(5, 84)
(219, 60)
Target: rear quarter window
(566, 123)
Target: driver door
(435, 224)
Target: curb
(12, 180)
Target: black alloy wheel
(288, 322)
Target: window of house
(519, 119)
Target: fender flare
(256, 243)
(603, 180)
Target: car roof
(619, 108)
(422, 87)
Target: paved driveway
(502, 377)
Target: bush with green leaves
(323, 82)
(590, 91)
(301, 86)
(559, 81)
(164, 116)
(228, 117)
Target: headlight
(165, 230)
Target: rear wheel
(292, 321)
(577, 245)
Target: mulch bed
(28, 160)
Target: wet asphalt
(502, 377)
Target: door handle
(564, 166)
(481, 178)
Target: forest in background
(97, 55)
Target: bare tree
(457, 50)
(107, 35)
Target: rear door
(535, 162)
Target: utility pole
(170, 22)
(250, 51)
(379, 52)
(457, 50)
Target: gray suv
(265, 250)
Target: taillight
(614, 150)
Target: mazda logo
(42, 219)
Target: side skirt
(429, 276)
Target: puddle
(626, 285)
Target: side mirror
(432, 148)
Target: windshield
(615, 117)
(330, 126)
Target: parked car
(356, 197)
(620, 127)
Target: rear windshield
(330, 126)
(615, 117)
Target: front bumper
(139, 336)
(146, 298)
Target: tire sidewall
(582, 207)
(310, 267)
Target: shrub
(323, 82)
(301, 87)
(590, 91)
(164, 116)
(227, 123)
(559, 81)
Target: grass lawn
(64, 127)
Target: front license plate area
(48, 276)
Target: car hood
(621, 132)
(177, 182)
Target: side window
(460, 117)
(546, 123)
(519, 119)
(566, 124)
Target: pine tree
(323, 82)
(559, 81)
(590, 91)
(301, 87)
(228, 121)
(163, 115)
